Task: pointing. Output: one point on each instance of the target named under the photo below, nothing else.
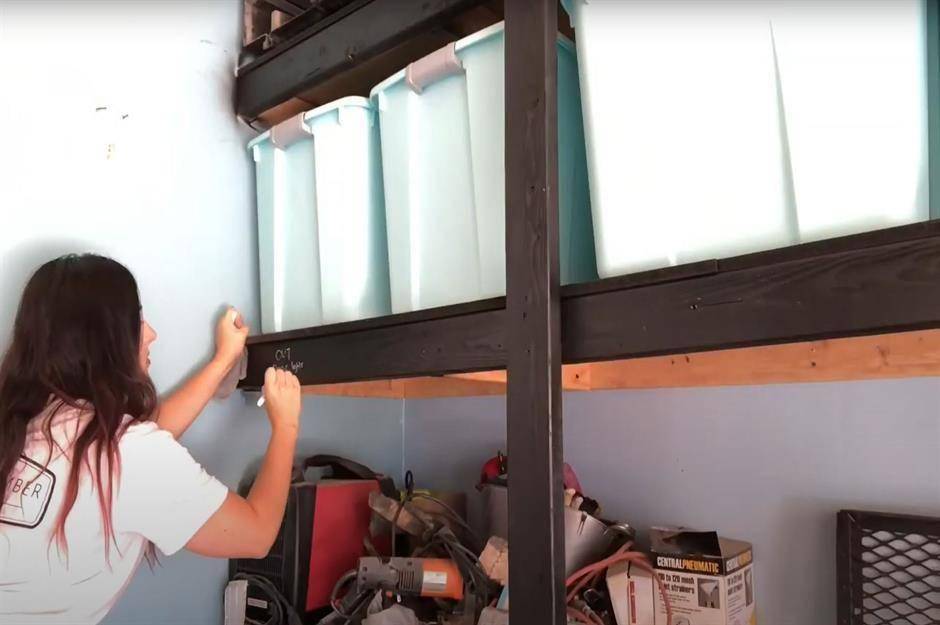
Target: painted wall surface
(120, 138)
(769, 464)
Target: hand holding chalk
(282, 392)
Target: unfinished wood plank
(447, 386)
(279, 18)
(411, 388)
(576, 377)
(389, 389)
(284, 111)
(483, 376)
(359, 79)
(256, 20)
(573, 377)
(901, 355)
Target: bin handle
(433, 67)
(289, 131)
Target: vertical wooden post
(536, 530)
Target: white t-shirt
(162, 495)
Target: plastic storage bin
(684, 132)
(717, 129)
(321, 219)
(442, 126)
(853, 81)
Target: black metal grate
(889, 569)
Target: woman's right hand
(282, 399)
(246, 527)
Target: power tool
(435, 578)
(422, 577)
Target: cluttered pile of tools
(440, 579)
(378, 556)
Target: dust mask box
(709, 579)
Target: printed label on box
(708, 579)
(708, 600)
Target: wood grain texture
(411, 388)
(375, 389)
(534, 407)
(256, 20)
(888, 288)
(447, 386)
(877, 283)
(471, 342)
(334, 45)
(573, 377)
(282, 111)
(900, 355)
(375, 323)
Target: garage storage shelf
(862, 306)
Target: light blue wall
(187, 589)
(173, 201)
(160, 179)
(770, 464)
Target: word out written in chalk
(283, 359)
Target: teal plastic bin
(442, 125)
(321, 219)
(723, 128)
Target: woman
(93, 477)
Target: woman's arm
(179, 410)
(247, 527)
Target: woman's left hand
(230, 335)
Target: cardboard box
(632, 594)
(709, 579)
(495, 560)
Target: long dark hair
(76, 343)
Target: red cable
(589, 619)
(579, 615)
(591, 571)
(592, 577)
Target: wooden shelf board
(349, 52)
(359, 75)
(412, 388)
(899, 355)
(757, 319)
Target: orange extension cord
(590, 573)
